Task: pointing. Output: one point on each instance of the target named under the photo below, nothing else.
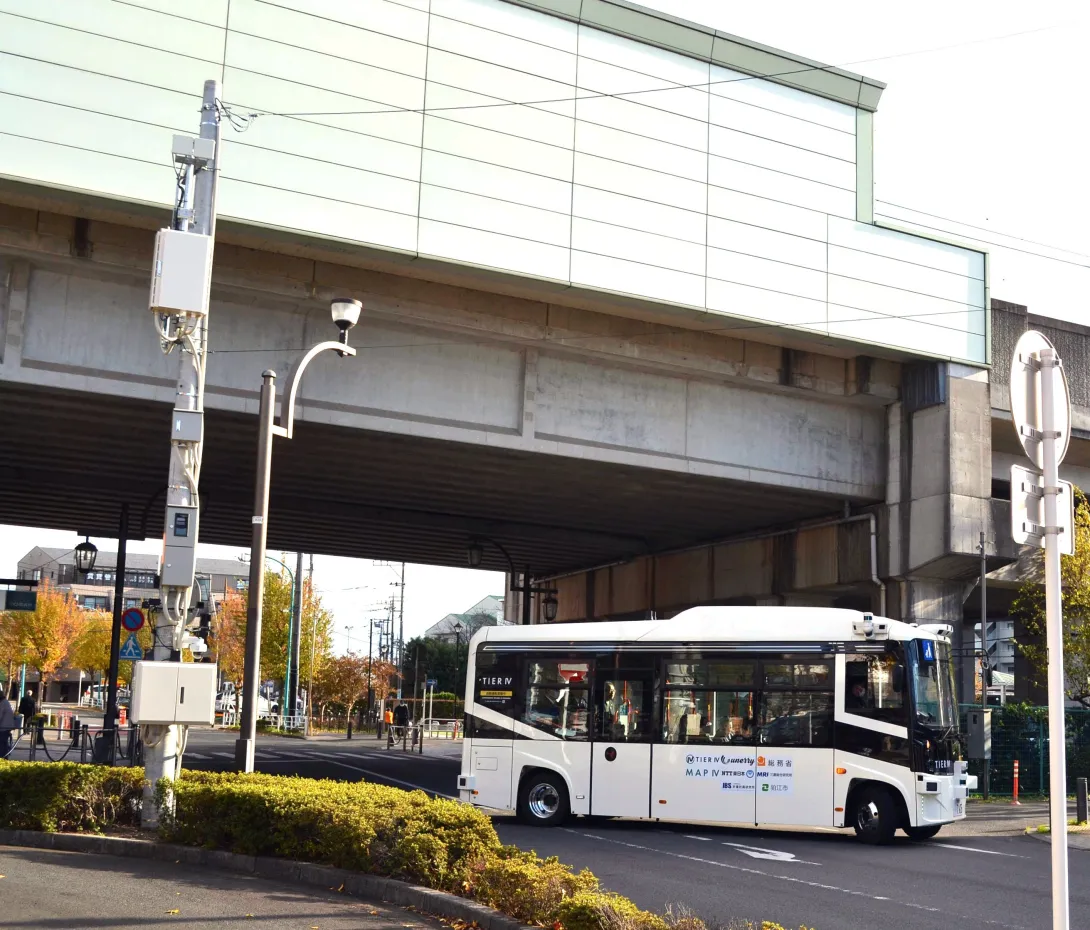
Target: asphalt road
(981, 873)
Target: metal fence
(76, 743)
(1020, 732)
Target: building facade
(95, 589)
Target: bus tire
(874, 815)
(923, 833)
(543, 799)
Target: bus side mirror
(898, 678)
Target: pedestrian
(401, 718)
(7, 724)
(28, 709)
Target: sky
(981, 125)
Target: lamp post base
(244, 754)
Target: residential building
(95, 589)
(486, 612)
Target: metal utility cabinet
(174, 692)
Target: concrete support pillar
(930, 600)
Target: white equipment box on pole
(166, 693)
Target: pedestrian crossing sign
(131, 649)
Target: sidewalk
(1001, 818)
(51, 890)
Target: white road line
(396, 781)
(703, 839)
(790, 878)
(989, 852)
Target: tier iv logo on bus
(735, 773)
(495, 689)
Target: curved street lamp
(345, 312)
(550, 605)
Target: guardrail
(101, 745)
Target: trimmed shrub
(367, 827)
(596, 910)
(525, 886)
(67, 796)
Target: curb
(357, 884)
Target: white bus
(755, 715)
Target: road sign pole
(1057, 749)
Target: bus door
(621, 750)
(795, 742)
(704, 765)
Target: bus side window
(869, 687)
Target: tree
(47, 634)
(91, 648)
(434, 658)
(1029, 608)
(229, 631)
(12, 649)
(344, 680)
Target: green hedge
(67, 796)
(371, 828)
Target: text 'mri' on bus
(759, 715)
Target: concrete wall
(448, 363)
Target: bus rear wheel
(923, 833)
(543, 799)
(874, 815)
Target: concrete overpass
(628, 311)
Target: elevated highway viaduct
(628, 310)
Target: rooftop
(719, 48)
(42, 556)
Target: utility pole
(195, 213)
(291, 699)
(313, 631)
(985, 673)
(401, 632)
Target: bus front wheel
(923, 833)
(543, 799)
(874, 815)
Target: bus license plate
(959, 807)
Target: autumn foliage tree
(1028, 607)
(44, 637)
(344, 680)
(229, 631)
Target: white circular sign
(1025, 391)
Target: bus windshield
(933, 683)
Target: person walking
(7, 724)
(28, 709)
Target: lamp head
(86, 553)
(474, 554)
(551, 605)
(346, 314)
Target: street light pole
(244, 746)
(346, 313)
(110, 721)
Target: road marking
(790, 878)
(703, 839)
(757, 852)
(989, 852)
(396, 781)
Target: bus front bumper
(941, 798)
